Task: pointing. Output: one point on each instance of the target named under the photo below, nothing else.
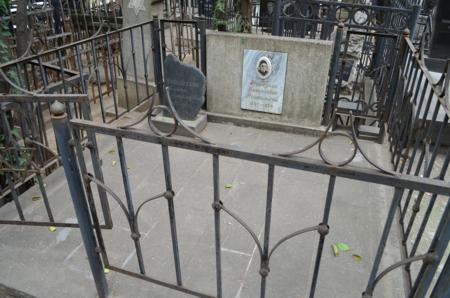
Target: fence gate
(365, 73)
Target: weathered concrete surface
(306, 75)
(53, 264)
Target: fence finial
(57, 108)
(406, 32)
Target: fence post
(276, 28)
(202, 27)
(157, 65)
(415, 15)
(76, 188)
(333, 72)
(395, 74)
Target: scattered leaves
(52, 229)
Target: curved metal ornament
(153, 111)
(353, 141)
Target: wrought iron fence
(317, 19)
(418, 136)
(80, 184)
(57, 22)
(114, 73)
(27, 155)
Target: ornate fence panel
(317, 19)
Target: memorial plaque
(263, 81)
(187, 87)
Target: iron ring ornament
(353, 141)
(352, 15)
(170, 109)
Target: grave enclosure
(261, 79)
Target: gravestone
(263, 81)
(187, 86)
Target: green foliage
(5, 54)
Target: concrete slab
(53, 264)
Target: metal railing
(317, 19)
(69, 132)
(27, 156)
(418, 136)
(111, 73)
(57, 22)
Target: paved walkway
(53, 264)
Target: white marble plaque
(263, 78)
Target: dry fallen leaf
(335, 250)
(36, 198)
(114, 163)
(356, 258)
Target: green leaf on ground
(228, 185)
(343, 246)
(356, 258)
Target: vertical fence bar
(276, 28)
(323, 233)
(64, 142)
(438, 245)
(216, 207)
(387, 227)
(264, 271)
(414, 19)
(427, 214)
(126, 184)
(202, 27)
(157, 58)
(333, 72)
(173, 225)
(442, 287)
(399, 63)
(133, 56)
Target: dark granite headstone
(187, 87)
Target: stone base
(266, 125)
(165, 124)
